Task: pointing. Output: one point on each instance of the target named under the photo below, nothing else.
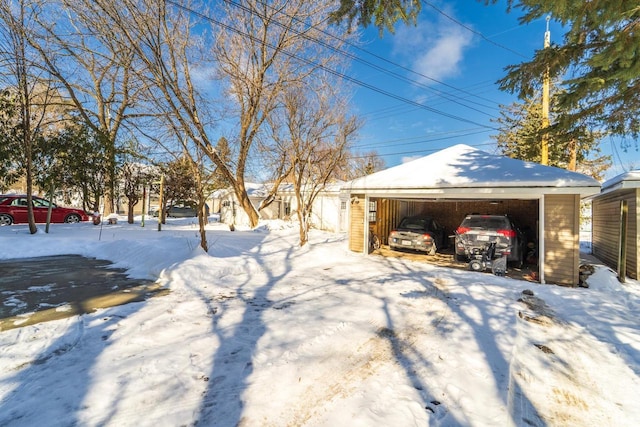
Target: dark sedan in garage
(420, 233)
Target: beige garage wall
(561, 239)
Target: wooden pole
(544, 149)
(161, 203)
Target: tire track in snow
(549, 384)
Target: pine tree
(598, 63)
(521, 131)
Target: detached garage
(616, 224)
(449, 184)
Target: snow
(465, 166)
(261, 332)
(626, 180)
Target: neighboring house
(607, 237)
(232, 213)
(329, 211)
(459, 180)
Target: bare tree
(314, 132)
(263, 48)
(259, 49)
(362, 164)
(134, 177)
(28, 94)
(95, 69)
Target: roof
(260, 191)
(626, 180)
(463, 171)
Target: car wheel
(5, 219)
(72, 219)
(376, 242)
(518, 263)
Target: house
(608, 234)
(232, 213)
(329, 210)
(453, 182)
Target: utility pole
(544, 151)
(161, 202)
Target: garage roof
(462, 171)
(626, 180)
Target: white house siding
(329, 211)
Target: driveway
(39, 289)
(445, 258)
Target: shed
(459, 180)
(606, 223)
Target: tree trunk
(302, 218)
(202, 212)
(131, 202)
(245, 203)
(573, 155)
(110, 180)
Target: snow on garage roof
(463, 169)
(626, 180)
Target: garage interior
(385, 214)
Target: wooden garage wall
(606, 229)
(562, 239)
(356, 223)
(389, 213)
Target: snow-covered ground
(261, 332)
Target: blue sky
(455, 54)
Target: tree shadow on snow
(521, 409)
(52, 388)
(222, 402)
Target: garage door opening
(383, 215)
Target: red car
(13, 210)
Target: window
(343, 205)
(373, 210)
(287, 208)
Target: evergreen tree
(383, 13)
(598, 59)
(521, 131)
(598, 62)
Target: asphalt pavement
(34, 290)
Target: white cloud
(434, 49)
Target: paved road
(34, 290)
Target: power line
(425, 151)
(458, 134)
(331, 71)
(452, 19)
(368, 63)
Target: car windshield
(415, 223)
(491, 223)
